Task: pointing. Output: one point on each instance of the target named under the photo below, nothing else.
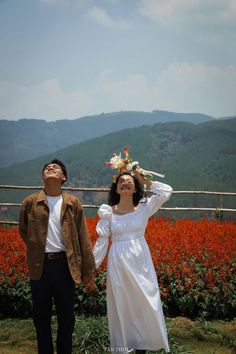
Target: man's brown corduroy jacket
(33, 223)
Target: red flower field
(195, 262)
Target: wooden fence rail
(92, 206)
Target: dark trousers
(55, 284)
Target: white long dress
(134, 309)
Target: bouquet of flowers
(127, 164)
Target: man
(59, 254)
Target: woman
(134, 309)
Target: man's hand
(90, 287)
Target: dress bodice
(128, 226)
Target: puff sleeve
(162, 193)
(103, 229)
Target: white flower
(129, 167)
(134, 163)
(116, 161)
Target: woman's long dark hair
(114, 197)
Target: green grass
(91, 336)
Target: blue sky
(72, 58)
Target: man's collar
(43, 198)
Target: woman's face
(125, 185)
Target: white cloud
(198, 87)
(46, 100)
(196, 13)
(101, 17)
(182, 87)
(97, 14)
(131, 93)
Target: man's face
(53, 171)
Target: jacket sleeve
(103, 229)
(23, 222)
(88, 263)
(162, 193)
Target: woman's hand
(90, 287)
(138, 173)
(89, 284)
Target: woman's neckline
(116, 212)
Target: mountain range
(29, 138)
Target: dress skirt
(134, 308)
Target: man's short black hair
(58, 162)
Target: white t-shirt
(54, 242)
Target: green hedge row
(16, 301)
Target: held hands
(90, 287)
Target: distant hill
(193, 157)
(29, 138)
